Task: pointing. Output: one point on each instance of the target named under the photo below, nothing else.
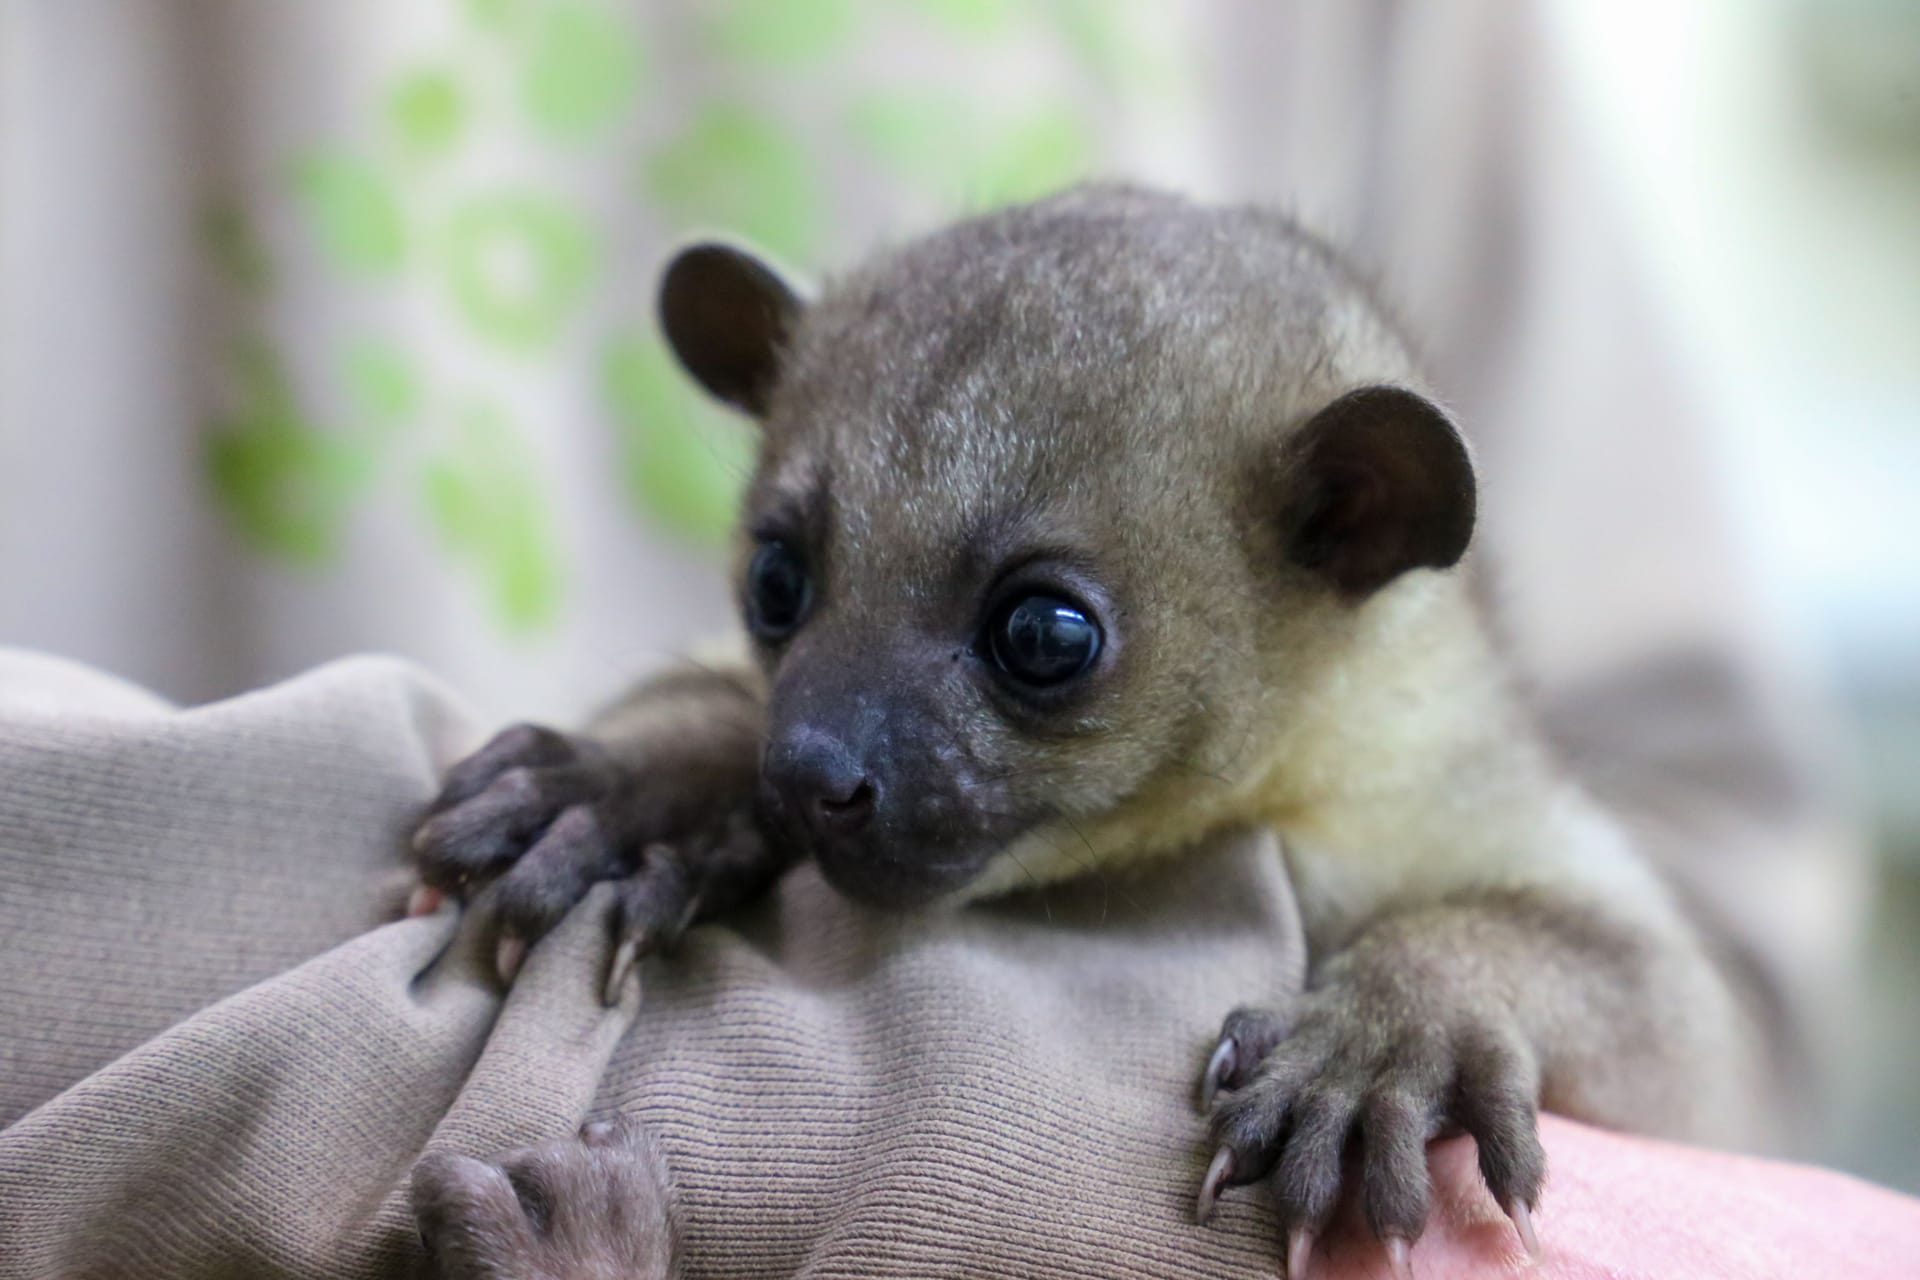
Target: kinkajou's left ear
(728, 317)
(1380, 482)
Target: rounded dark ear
(727, 315)
(1382, 483)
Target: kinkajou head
(1060, 512)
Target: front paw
(544, 816)
(500, 803)
(1346, 1095)
(575, 1209)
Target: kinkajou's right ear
(728, 317)
(1382, 482)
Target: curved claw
(1222, 1061)
(1399, 1258)
(509, 956)
(1217, 1174)
(1523, 1224)
(1299, 1252)
(623, 959)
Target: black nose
(822, 782)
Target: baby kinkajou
(1081, 532)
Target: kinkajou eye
(1042, 640)
(779, 591)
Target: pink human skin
(1623, 1208)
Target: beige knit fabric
(209, 1066)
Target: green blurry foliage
(480, 493)
(974, 160)
(517, 263)
(790, 31)
(581, 66)
(354, 211)
(382, 385)
(235, 252)
(286, 482)
(740, 169)
(683, 460)
(974, 19)
(427, 112)
(512, 266)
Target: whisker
(1044, 904)
(1106, 881)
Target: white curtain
(329, 324)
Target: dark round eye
(778, 591)
(1043, 640)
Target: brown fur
(1199, 427)
(595, 1207)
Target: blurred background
(327, 327)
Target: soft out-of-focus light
(1767, 158)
